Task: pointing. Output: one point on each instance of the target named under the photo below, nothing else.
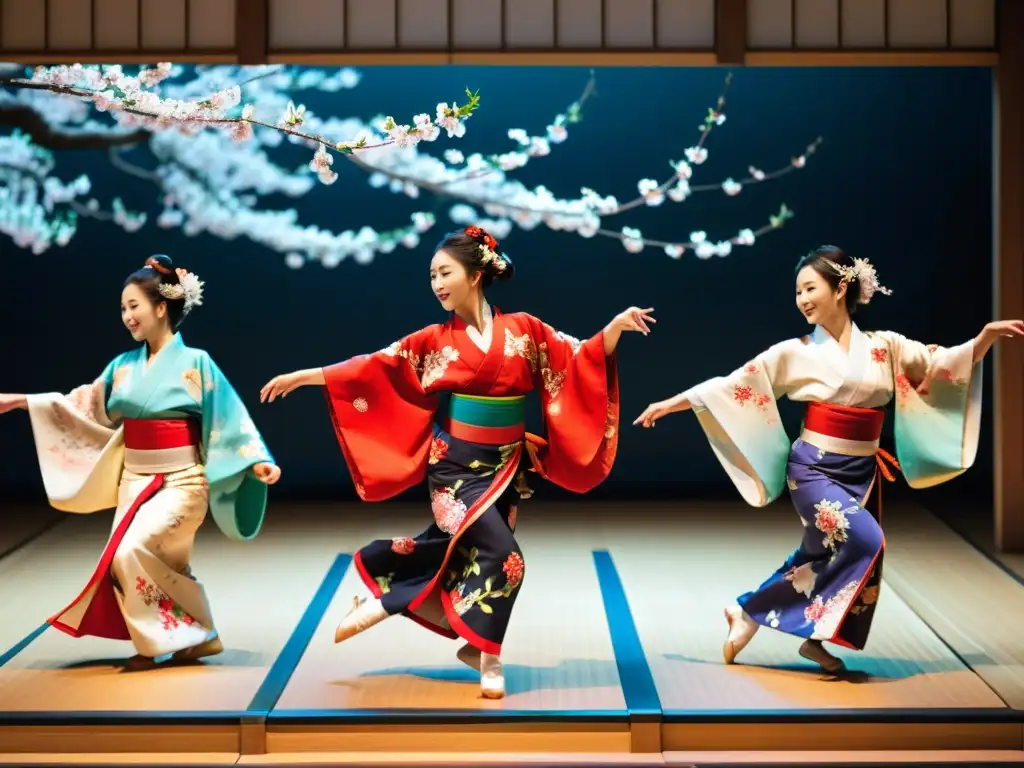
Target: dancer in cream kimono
(828, 588)
(160, 436)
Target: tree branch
(29, 121)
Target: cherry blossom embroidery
(880, 355)
(435, 365)
(361, 405)
(449, 512)
(831, 520)
(816, 610)
(120, 377)
(438, 450)
(395, 349)
(802, 578)
(553, 380)
(171, 614)
(751, 368)
(521, 346)
(828, 616)
(403, 545)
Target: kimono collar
(175, 342)
(481, 338)
(821, 336)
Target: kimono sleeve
(80, 450)
(938, 408)
(231, 447)
(740, 418)
(579, 394)
(382, 416)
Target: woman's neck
(472, 312)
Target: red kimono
(460, 577)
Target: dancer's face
(451, 283)
(818, 301)
(140, 316)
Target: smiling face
(451, 283)
(818, 301)
(140, 315)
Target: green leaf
(489, 583)
(344, 149)
(485, 607)
(476, 569)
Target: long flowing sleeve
(231, 447)
(382, 416)
(938, 408)
(740, 417)
(579, 394)
(80, 451)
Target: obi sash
(842, 429)
(487, 420)
(157, 446)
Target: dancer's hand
(633, 319)
(13, 403)
(280, 386)
(992, 332)
(655, 411)
(266, 472)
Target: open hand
(1008, 328)
(266, 472)
(280, 386)
(634, 319)
(655, 411)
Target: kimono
(829, 587)
(461, 576)
(160, 441)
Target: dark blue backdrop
(904, 178)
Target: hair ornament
(488, 248)
(189, 287)
(862, 272)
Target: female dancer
(160, 435)
(460, 577)
(828, 588)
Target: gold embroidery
(522, 346)
(397, 350)
(251, 450)
(553, 380)
(193, 383)
(360, 405)
(609, 424)
(435, 364)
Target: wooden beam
(252, 22)
(1008, 273)
(730, 31)
(848, 58)
(497, 57)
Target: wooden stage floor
(613, 656)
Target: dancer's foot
(364, 614)
(210, 647)
(138, 663)
(469, 656)
(492, 677)
(813, 650)
(741, 629)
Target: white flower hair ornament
(189, 288)
(862, 272)
(487, 246)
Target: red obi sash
(160, 434)
(842, 422)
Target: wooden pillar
(1008, 273)
(252, 20)
(731, 31)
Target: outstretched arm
(13, 403)
(992, 332)
(281, 385)
(632, 319)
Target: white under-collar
(483, 338)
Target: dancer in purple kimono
(827, 590)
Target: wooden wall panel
(580, 24)
(816, 24)
(476, 24)
(530, 24)
(423, 24)
(290, 29)
(972, 23)
(69, 25)
(163, 24)
(862, 24)
(23, 24)
(769, 24)
(629, 24)
(917, 24)
(116, 24)
(372, 24)
(685, 25)
(211, 23)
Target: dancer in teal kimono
(160, 436)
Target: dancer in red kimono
(461, 576)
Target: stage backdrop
(903, 178)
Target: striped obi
(157, 446)
(843, 429)
(487, 420)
